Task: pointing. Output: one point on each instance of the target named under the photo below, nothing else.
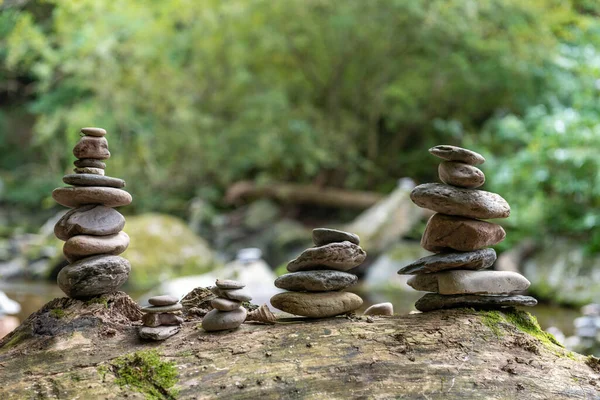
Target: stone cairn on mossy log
(228, 312)
(162, 319)
(318, 276)
(92, 229)
(460, 238)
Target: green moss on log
(521, 320)
(57, 313)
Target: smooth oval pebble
(92, 147)
(229, 284)
(236, 294)
(454, 153)
(89, 220)
(89, 170)
(217, 320)
(82, 195)
(91, 131)
(158, 333)
(89, 163)
(474, 260)
(380, 309)
(316, 305)
(434, 301)
(461, 174)
(163, 300)
(222, 304)
(323, 236)
(480, 282)
(82, 246)
(154, 320)
(93, 180)
(93, 276)
(424, 283)
(163, 309)
(316, 281)
(339, 256)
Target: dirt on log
(90, 350)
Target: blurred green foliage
(198, 94)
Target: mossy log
(90, 350)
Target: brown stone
(92, 147)
(93, 180)
(316, 305)
(89, 220)
(82, 246)
(78, 196)
(461, 174)
(454, 153)
(89, 171)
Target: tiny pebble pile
(228, 312)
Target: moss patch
(522, 320)
(146, 373)
(57, 313)
(97, 300)
(593, 363)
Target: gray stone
(163, 300)
(158, 333)
(480, 282)
(434, 301)
(444, 233)
(89, 171)
(380, 309)
(217, 320)
(154, 320)
(93, 276)
(236, 294)
(92, 147)
(339, 256)
(222, 304)
(93, 180)
(89, 163)
(316, 281)
(424, 283)
(454, 153)
(82, 246)
(460, 174)
(229, 284)
(89, 220)
(90, 131)
(474, 260)
(162, 309)
(316, 305)
(323, 236)
(468, 203)
(78, 196)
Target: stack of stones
(459, 237)
(319, 274)
(228, 312)
(92, 229)
(162, 318)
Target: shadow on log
(72, 349)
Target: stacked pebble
(318, 275)
(92, 229)
(460, 237)
(161, 319)
(228, 312)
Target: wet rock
(317, 305)
(223, 320)
(446, 232)
(339, 256)
(163, 300)
(323, 236)
(434, 301)
(316, 281)
(93, 276)
(78, 196)
(158, 333)
(460, 174)
(92, 147)
(454, 153)
(82, 246)
(474, 260)
(380, 309)
(222, 304)
(89, 220)
(81, 179)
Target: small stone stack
(228, 311)
(459, 237)
(162, 318)
(92, 229)
(318, 275)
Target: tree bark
(456, 354)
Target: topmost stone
(453, 153)
(323, 236)
(93, 132)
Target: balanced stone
(480, 282)
(380, 309)
(229, 284)
(339, 256)
(158, 333)
(154, 320)
(474, 260)
(468, 203)
(222, 304)
(323, 236)
(317, 305)
(316, 281)
(460, 174)
(89, 170)
(89, 220)
(236, 294)
(445, 232)
(78, 196)
(424, 283)
(93, 131)
(217, 320)
(163, 300)
(93, 276)
(162, 309)
(93, 180)
(454, 153)
(82, 246)
(92, 147)
(89, 163)
(434, 301)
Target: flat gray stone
(424, 283)
(338, 256)
(473, 260)
(445, 233)
(380, 309)
(162, 309)
(92, 147)
(93, 180)
(236, 294)
(89, 171)
(163, 300)
(222, 304)
(91, 131)
(82, 246)
(461, 174)
(468, 203)
(434, 301)
(323, 236)
(480, 282)
(93, 276)
(316, 305)
(217, 320)
(89, 163)
(163, 319)
(89, 220)
(316, 281)
(158, 333)
(454, 153)
(82, 195)
(229, 284)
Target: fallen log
(90, 350)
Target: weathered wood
(458, 354)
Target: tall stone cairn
(456, 275)
(92, 229)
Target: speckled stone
(316, 305)
(474, 260)
(461, 174)
(158, 333)
(338, 256)
(217, 320)
(454, 153)
(93, 276)
(89, 220)
(89, 171)
(380, 309)
(83, 195)
(163, 300)
(89, 163)
(316, 281)
(222, 304)
(434, 301)
(162, 309)
(92, 147)
(82, 246)
(154, 320)
(93, 180)
(229, 284)
(323, 236)
(90, 131)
